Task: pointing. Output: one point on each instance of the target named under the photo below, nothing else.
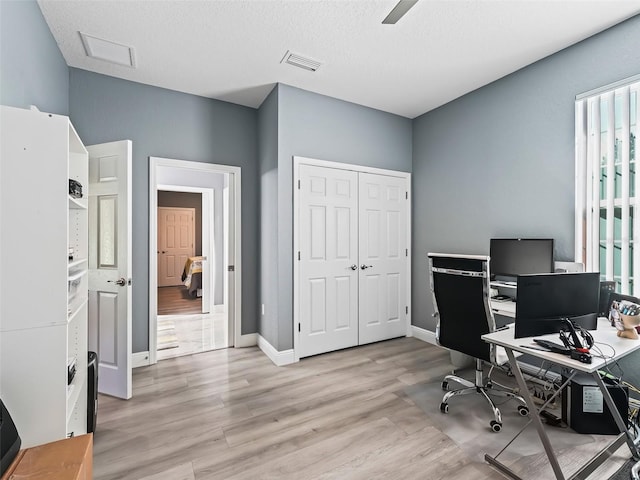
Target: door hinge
(406, 252)
(406, 310)
(406, 195)
(299, 327)
(298, 184)
(231, 268)
(298, 254)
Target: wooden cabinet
(43, 299)
(69, 459)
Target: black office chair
(460, 287)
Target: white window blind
(607, 183)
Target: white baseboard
(139, 359)
(248, 340)
(279, 358)
(424, 335)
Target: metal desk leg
(535, 418)
(616, 415)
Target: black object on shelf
(75, 188)
(92, 392)
(9, 439)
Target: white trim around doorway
(234, 292)
(297, 161)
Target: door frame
(208, 242)
(233, 279)
(297, 161)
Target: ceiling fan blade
(398, 11)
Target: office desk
(605, 334)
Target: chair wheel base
(444, 407)
(495, 426)
(445, 385)
(523, 411)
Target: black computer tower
(585, 411)
(92, 391)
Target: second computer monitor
(511, 257)
(544, 300)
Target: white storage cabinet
(43, 300)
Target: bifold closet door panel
(328, 270)
(382, 257)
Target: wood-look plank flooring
(176, 301)
(232, 414)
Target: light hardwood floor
(177, 301)
(352, 414)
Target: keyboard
(552, 346)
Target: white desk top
(605, 337)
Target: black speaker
(92, 392)
(606, 289)
(9, 439)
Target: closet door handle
(364, 267)
(121, 282)
(354, 267)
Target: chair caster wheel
(444, 407)
(445, 385)
(523, 411)
(489, 385)
(495, 426)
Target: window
(608, 183)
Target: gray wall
(316, 126)
(268, 154)
(499, 162)
(32, 69)
(164, 123)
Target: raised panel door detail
(318, 217)
(343, 233)
(343, 301)
(107, 309)
(108, 228)
(393, 234)
(318, 305)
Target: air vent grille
(300, 61)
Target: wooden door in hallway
(176, 231)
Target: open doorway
(193, 283)
(180, 257)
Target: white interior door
(328, 271)
(383, 257)
(176, 232)
(110, 265)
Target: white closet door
(328, 271)
(383, 257)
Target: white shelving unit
(44, 294)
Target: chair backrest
(460, 288)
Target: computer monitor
(511, 257)
(544, 301)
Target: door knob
(121, 282)
(364, 267)
(354, 267)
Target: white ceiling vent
(108, 51)
(300, 61)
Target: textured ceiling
(232, 50)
